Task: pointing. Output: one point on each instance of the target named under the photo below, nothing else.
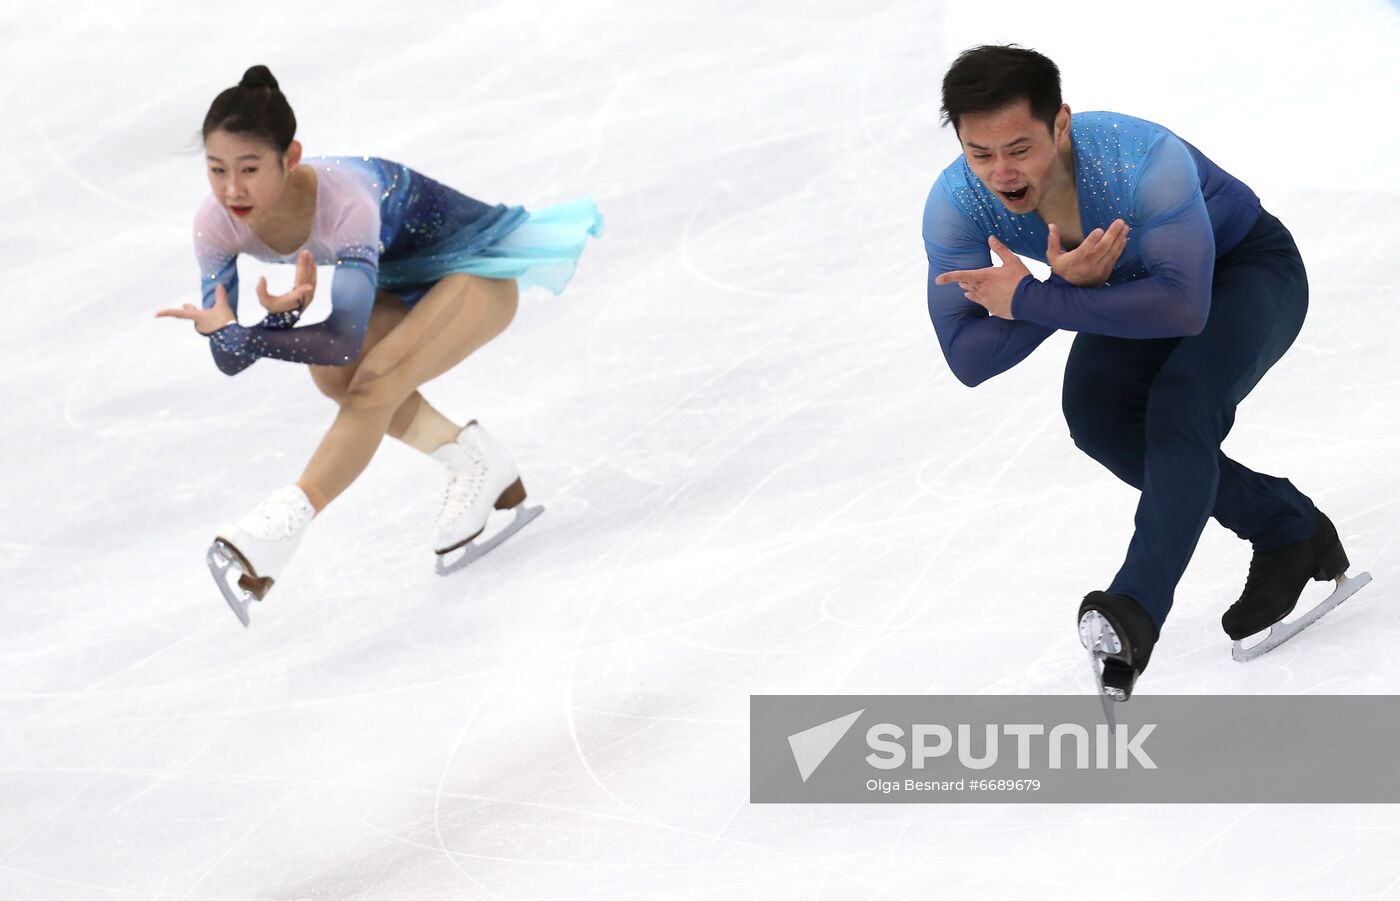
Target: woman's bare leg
(416, 423)
(456, 317)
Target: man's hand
(206, 321)
(994, 286)
(1091, 263)
(302, 290)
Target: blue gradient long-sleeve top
(372, 216)
(1183, 212)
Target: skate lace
(277, 517)
(463, 487)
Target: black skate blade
(226, 563)
(477, 548)
(1281, 632)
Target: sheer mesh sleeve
(1177, 246)
(215, 250)
(976, 344)
(336, 341)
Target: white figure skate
(481, 477)
(249, 556)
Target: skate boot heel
(1331, 563)
(512, 497)
(1118, 679)
(257, 587)
(1119, 635)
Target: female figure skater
(423, 277)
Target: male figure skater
(1184, 292)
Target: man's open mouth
(1018, 194)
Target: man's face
(246, 175)
(1013, 153)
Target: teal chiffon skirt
(537, 249)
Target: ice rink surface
(759, 475)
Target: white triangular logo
(810, 746)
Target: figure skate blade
(230, 574)
(1281, 632)
(451, 561)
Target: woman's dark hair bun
(258, 77)
(265, 115)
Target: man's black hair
(991, 77)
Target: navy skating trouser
(1155, 411)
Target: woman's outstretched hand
(206, 321)
(301, 293)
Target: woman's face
(246, 174)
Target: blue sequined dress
(383, 226)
